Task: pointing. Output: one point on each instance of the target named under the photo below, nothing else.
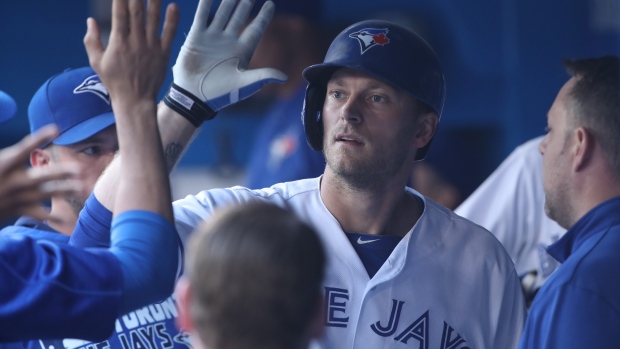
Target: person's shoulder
(294, 188)
(39, 231)
(530, 146)
(590, 271)
(596, 268)
(280, 194)
(525, 157)
(190, 211)
(449, 219)
(465, 235)
(589, 280)
(517, 180)
(283, 190)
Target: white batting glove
(213, 60)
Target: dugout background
(502, 60)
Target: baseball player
(79, 104)
(54, 291)
(254, 270)
(510, 204)
(402, 271)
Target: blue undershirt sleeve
(56, 291)
(93, 225)
(147, 246)
(89, 288)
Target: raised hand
(22, 189)
(133, 68)
(135, 47)
(213, 61)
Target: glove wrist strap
(188, 106)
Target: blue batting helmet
(385, 50)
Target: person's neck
(63, 218)
(384, 210)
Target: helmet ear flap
(311, 115)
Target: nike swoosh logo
(361, 242)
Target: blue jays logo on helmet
(370, 37)
(94, 85)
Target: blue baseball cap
(8, 107)
(76, 102)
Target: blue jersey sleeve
(147, 246)
(93, 225)
(53, 291)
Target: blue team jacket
(152, 327)
(579, 306)
(43, 293)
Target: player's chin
(349, 165)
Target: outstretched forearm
(132, 68)
(143, 179)
(211, 70)
(176, 134)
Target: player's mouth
(349, 138)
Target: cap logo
(370, 37)
(93, 84)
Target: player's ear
(426, 125)
(582, 149)
(182, 294)
(40, 157)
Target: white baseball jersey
(510, 203)
(448, 283)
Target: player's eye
(337, 94)
(94, 150)
(377, 98)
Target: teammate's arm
(91, 288)
(211, 69)
(55, 291)
(133, 79)
(132, 68)
(176, 133)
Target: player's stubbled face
(92, 156)
(368, 127)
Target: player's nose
(543, 145)
(351, 110)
